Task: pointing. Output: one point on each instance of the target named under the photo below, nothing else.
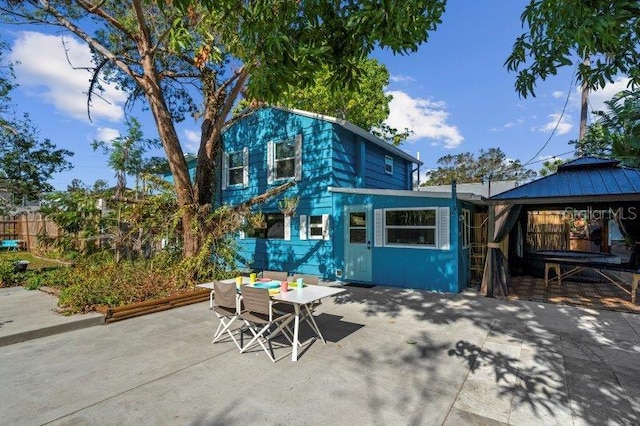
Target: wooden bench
(10, 245)
(598, 267)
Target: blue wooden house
(357, 217)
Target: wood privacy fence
(547, 231)
(27, 227)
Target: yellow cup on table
(239, 280)
(252, 277)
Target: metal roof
(584, 179)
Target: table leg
(296, 330)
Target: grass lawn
(35, 263)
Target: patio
(393, 356)
(595, 295)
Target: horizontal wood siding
(420, 268)
(375, 174)
(345, 158)
(294, 255)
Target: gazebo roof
(585, 179)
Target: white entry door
(357, 243)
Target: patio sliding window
(284, 159)
(235, 169)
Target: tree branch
(264, 197)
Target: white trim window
(277, 227)
(235, 169)
(410, 227)
(388, 164)
(284, 159)
(465, 223)
(314, 227)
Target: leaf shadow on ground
(559, 368)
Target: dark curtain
(628, 220)
(506, 217)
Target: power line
(564, 108)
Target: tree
(185, 57)
(465, 168)
(550, 166)
(364, 102)
(563, 32)
(28, 161)
(616, 133)
(595, 143)
(126, 156)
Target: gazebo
(585, 185)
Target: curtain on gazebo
(628, 220)
(494, 278)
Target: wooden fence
(27, 227)
(547, 231)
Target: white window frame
(272, 161)
(226, 170)
(306, 226)
(286, 229)
(388, 164)
(466, 228)
(419, 246)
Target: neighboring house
(357, 219)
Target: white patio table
(300, 298)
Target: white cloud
(563, 123)
(426, 118)
(45, 71)
(193, 140)
(516, 123)
(107, 134)
(598, 97)
(400, 78)
(558, 94)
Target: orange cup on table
(284, 286)
(252, 278)
(239, 281)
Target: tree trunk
(584, 109)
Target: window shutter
(325, 227)
(245, 166)
(298, 166)
(287, 228)
(303, 226)
(225, 170)
(443, 228)
(270, 162)
(378, 228)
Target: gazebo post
(491, 222)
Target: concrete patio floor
(392, 357)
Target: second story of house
(273, 145)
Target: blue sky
(454, 93)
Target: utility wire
(564, 108)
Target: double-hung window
(314, 227)
(284, 159)
(235, 167)
(388, 164)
